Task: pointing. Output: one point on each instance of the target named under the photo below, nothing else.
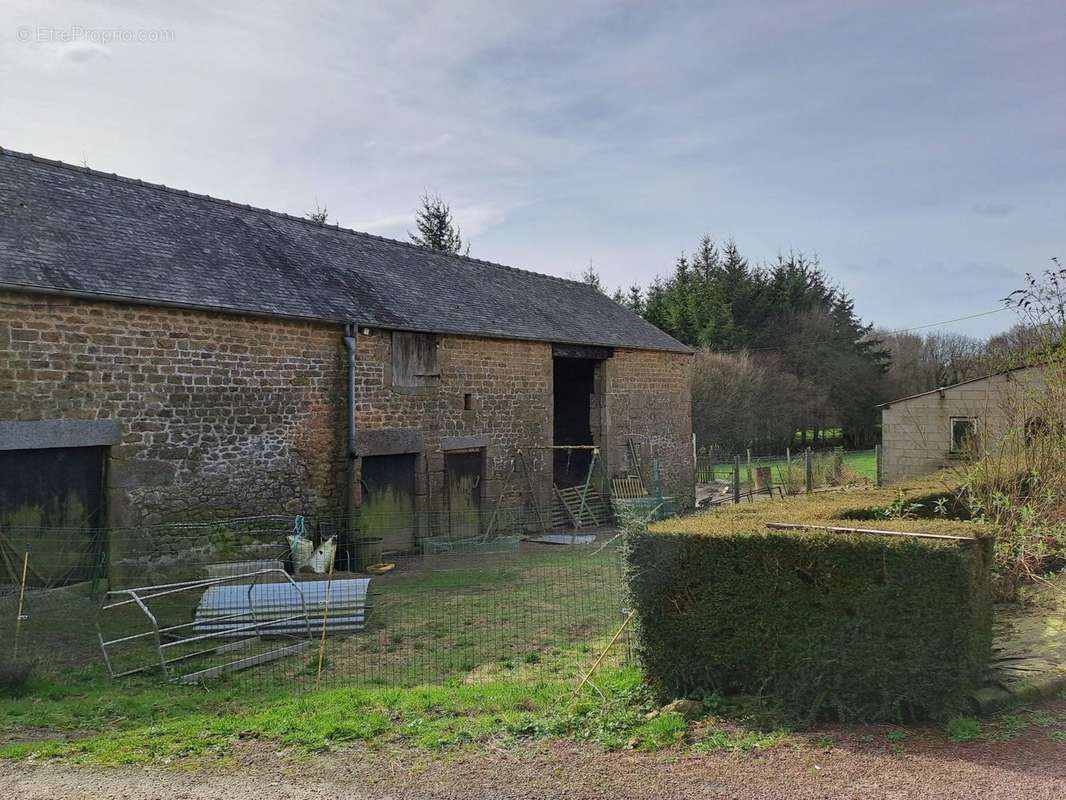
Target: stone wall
(220, 414)
(916, 433)
(649, 398)
(507, 386)
(226, 415)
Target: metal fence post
(736, 479)
(808, 467)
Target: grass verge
(100, 723)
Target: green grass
(463, 654)
(430, 622)
(963, 729)
(101, 723)
(863, 463)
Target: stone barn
(172, 356)
(935, 429)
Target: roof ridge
(86, 170)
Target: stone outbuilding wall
(219, 414)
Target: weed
(732, 742)
(15, 676)
(963, 729)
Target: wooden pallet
(568, 510)
(629, 488)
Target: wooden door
(462, 486)
(388, 508)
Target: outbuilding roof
(74, 230)
(960, 383)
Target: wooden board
(462, 487)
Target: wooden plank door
(389, 501)
(462, 486)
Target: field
(458, 652)
(861, 463)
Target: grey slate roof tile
(70, 229)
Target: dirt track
(861, 764)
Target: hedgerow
(847, 626)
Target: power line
(945, 322)
(878, 333)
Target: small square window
(963, 434)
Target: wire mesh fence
(284, 601)
(752, 475)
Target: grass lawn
(97, 722)
(863, 463)
(459, 652)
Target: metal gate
(388, 508)
(51, 505)
(462, 485)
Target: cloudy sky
(918, 148)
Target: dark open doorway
(574, 387)
(52, 505)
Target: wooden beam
(794, 526)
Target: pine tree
(436, 229)
(320, 216)
(590, 277)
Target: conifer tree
(436, 229)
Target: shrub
(963, 729)
(15, 675)
(846, 626)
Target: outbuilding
(942, 427)
(170, 356)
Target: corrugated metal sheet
(278, 608)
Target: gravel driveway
(860, 763)
(1022, 756)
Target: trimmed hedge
(854, 627)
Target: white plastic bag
(302, 551)
(322, 560)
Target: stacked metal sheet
(284, 609)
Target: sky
(919, 149)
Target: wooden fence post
(751, 481)
(808, 467)
(736, 479)
(877, 459)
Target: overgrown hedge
(845, 626)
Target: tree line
(782, 358)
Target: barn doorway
(52, 506)
(388, 510)
(576, 418)
(462, 486)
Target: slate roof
(68, 229)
